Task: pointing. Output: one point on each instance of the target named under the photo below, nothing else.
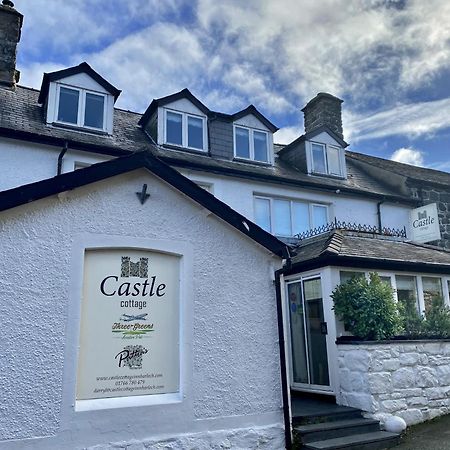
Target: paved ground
(433, 435)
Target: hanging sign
(425, 224)
(129, 334)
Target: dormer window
(78, 98)
(185, 130)
(327, 160)
(80, 108)
(251, 144)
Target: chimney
(10, 27)
(324, 109)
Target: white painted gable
(252, 122)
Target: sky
(389, 60)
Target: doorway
(309, 335)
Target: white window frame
(252, 144)
(81, 107)
(185, 129)
(444, 279)
(291, 201)
(325, 149)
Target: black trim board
(97, 172)
(84, 67)
(329, 259)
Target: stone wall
(440, 195)
(410, 379)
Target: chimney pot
(324, 109)
(10, 29)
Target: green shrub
(437, 323)
(367, 308)
(412, 323)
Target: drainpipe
(379, 214)
(60, 158)
(283, 367)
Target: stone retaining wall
(410, 379)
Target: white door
(308, 333)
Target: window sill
(326, 175)
(186, 149)
(79, 129)
(252, 161)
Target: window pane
(432, 290)
(93, 114)
(407, 290)
(195, 132)
(282, 218)
(242, 142)
(300, 217)
(347, 275)
(334, 166)
(260, 145)
(262, 213)
(318, 158)
(68, 105)
(174, 128)
(320, 215)
(386, 280)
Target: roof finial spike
(8, 3)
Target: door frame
(325, 278)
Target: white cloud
(287, 134)
(411, 120)
(408, 156)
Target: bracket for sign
(143, 196)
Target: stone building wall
(407, 379)
(440, 195)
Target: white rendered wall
(231, 368)
(238, 193)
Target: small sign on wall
(425, 224)
(129, 335)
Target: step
(338, 428)
(305, 418)
(366, 441)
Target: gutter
(60, 158)
(283, 367)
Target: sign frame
(88, 241)
(424, 224)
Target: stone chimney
(10, 28)
(324, 109)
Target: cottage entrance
(308, 332)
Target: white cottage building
(167, 275)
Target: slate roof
(21, 117)
(407, 170)
(372, 251)
(28, 193)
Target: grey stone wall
(408, 379)
(324, 109)
(221, 139)
(10, 27)
(440, 195)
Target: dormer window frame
(251, 133)
(327, 148)
(81, 113)
(185, 129)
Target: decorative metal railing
(347, 226)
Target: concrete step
(334, 429)
(326, 416)
(366, 441)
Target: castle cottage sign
(129, 335)
(425, 224)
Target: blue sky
(388, 60)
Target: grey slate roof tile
(371, 247)
(20, 111)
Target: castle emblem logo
(134, 269)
